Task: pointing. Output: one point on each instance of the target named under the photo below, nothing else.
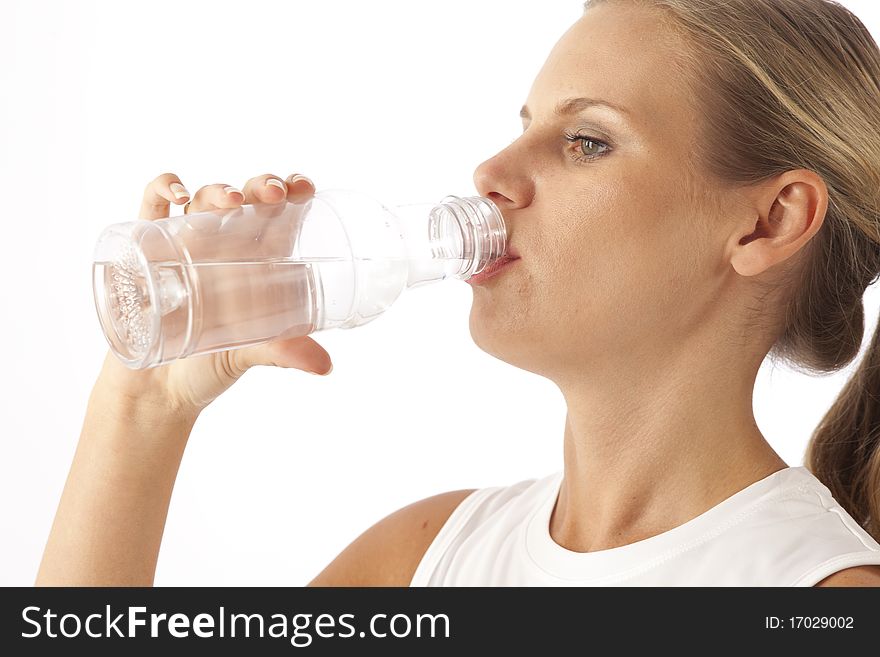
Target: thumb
(301, 353)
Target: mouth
(492, 270)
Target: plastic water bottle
(211, 281)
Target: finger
(215, 197)
(270, 195)
(267, 189)
(299, 188)
(301, 353)
(159, 194)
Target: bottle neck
(471, 226)
(462, 237)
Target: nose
(505, 180)
(509, 186)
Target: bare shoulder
(855, 576)
(388, 553)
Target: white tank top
(784, 530)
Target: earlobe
(763, 247)
(753, 258)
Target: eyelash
(587, 158)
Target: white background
(400, 99)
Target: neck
(649, 450)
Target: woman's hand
(188, 385)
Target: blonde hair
(795, 84)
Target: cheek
(616, 268)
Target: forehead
(620, 53)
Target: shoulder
(856, 576)
(388, 552)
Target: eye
(590, 148)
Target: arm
(109, 523)
(111, 517)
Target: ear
(783, 213)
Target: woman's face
(615, 259)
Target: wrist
(143, 394)
(134, 439)
(140, 410)
(144, 409)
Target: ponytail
(844, 451)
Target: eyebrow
(574, 105)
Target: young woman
(697, 186)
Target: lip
(493, 270)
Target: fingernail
(322, 373)
(231, 190)
(276, 183)
(179, 190)
(295, 179)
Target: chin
(521, 335)
(504, 333)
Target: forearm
(111, 516)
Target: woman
(713, 197)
